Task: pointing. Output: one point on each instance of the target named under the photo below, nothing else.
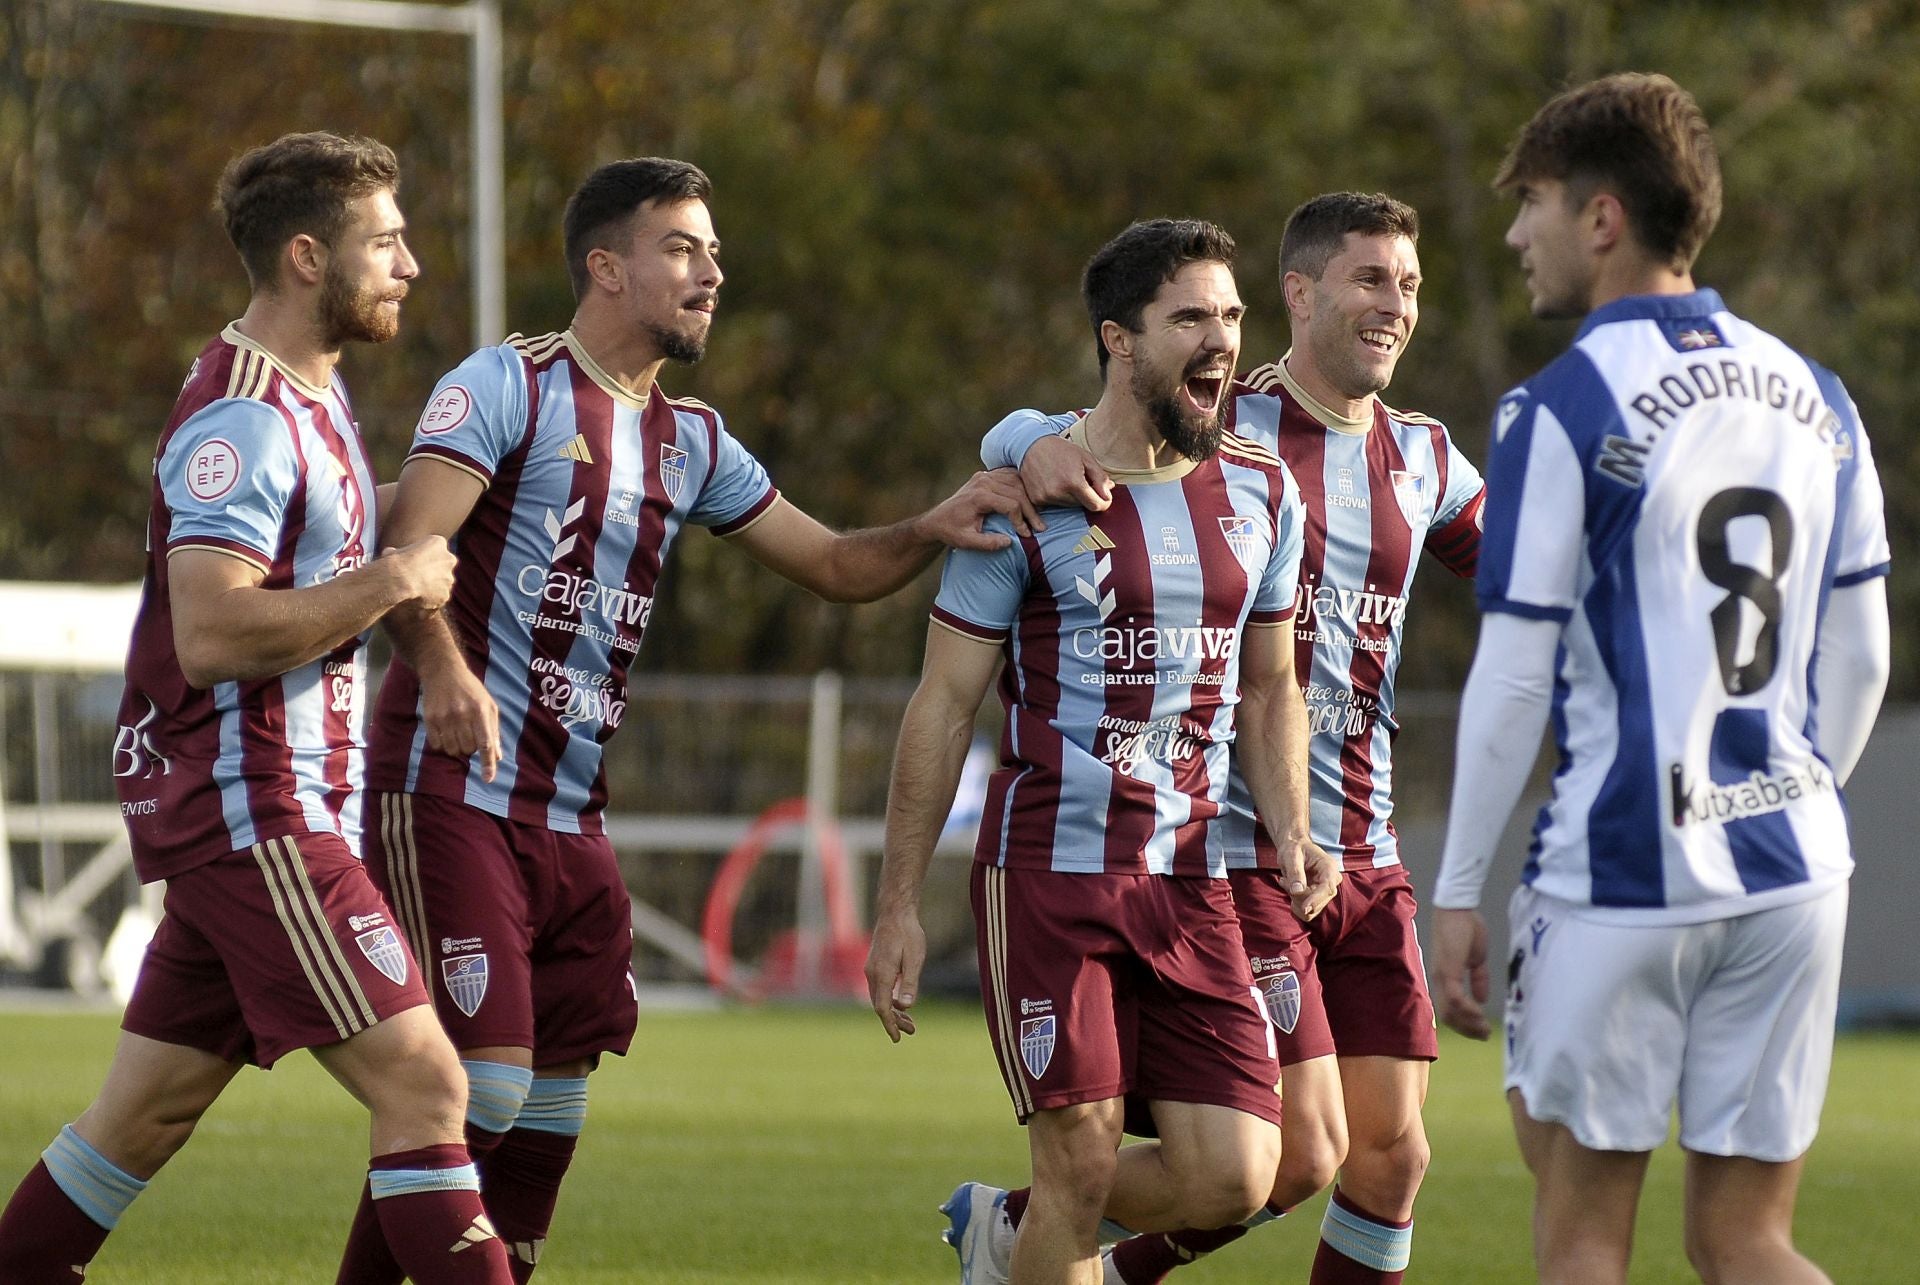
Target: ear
(606, 270)
(306, 258)
(1119, 341)
(1605, 219)
(1297, 289)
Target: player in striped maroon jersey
(1139, 644)
(237, 761)
(1347, 992)
(563, 473)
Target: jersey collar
(233, 336)
(1653, 307)
(1181, 466)
(1328, 417)
(607, 382)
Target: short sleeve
(1535, 515)
(1454, 535)
(1464, 484)
(1861, 549)
(737, 491)
(981, 591)
(228, 474)
(1279, 582)
(478, 413)
(1007, 443)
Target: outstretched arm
(434, 498)
(934, 737)
(1272, 747)
(860, 566)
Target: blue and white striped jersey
(1682, 491)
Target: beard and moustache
(353, 314)
(1194, 434)
(681, 346)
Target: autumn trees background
(906, 190)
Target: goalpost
(479, 21)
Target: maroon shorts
(283, 946)
(1351, 982)
(1107, 986)
(526, 933)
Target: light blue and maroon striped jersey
(1376, 492)
(258, 465)
(1122, 633)
(560, 560)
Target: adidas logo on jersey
(1093, 541)
(576, 450)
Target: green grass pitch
(796, 1145)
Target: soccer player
(238, 757)
(1139, 644)
(1683, 559)
(564, 474)
(1347, 991)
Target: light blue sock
(100, 1188)
(495, 1093)
(555, 1106)
(1377, 1245)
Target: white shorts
(1609, 1024)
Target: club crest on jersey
(1695, 334)
(1411, 490)
(383, 950)
(466, 979)
(1243, 537)
(1036, 1044)
(673, 471)
(1281, 994)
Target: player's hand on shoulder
(959, 521)
(461, 716)
(1059, 472)
(894, 959)
(1459, 966)
(425, 569)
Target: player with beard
(1347, 992)
(564, 473)
(238, 757)
(1140, 643)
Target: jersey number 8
(1744, 583)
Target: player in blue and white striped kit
(1683, 560)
